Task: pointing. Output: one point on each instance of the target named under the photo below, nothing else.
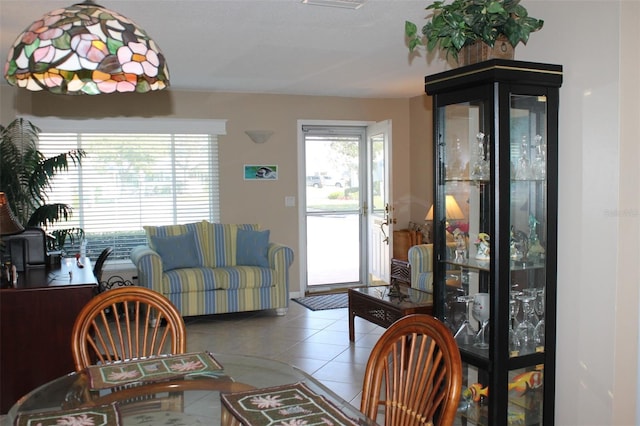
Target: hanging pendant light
(86, 49)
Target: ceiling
(268, 46)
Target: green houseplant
(25, 177)
(464, 22)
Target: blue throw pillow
(252, 248)
(180, 251)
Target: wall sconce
(259, 136)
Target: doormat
(324, 301)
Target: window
(128, 180)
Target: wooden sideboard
(36, 318)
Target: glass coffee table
(375, 305)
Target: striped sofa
(218, 284)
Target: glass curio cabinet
(495, 221)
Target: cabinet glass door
(465, 154)
(464, 184)
(528, 220)
(528, 241)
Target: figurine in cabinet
(461, 245)
(482, 243)
(518, 245)
(536, 251)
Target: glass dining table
(184, 399)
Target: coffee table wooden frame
(374, 305)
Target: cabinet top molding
(502, 70)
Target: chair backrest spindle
(126, 323)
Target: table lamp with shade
(454, 232)
(9, 225)
(452, 210)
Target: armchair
(421, 261)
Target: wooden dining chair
(126, 323)
(414, 374)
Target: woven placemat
(293, 404)
(103, 415)
(153, 369)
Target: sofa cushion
(206, 279)
(252, 247)
(220, 244)
(180, 251)
(200, 229)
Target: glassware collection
(526, 321)
(532, 170)
(481, 167)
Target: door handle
(386, 237)
(385, 222)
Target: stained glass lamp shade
(86, 49)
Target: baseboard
(294, 294)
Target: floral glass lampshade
(86, 49)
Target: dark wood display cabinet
(496, 152)
(36, 318)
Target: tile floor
(315, 341)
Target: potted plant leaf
(454, 26)
(25, 177)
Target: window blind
(128, 180)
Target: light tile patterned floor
(317, 342)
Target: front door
(345, 214)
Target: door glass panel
(332, 207)
(379, 215)
(378, 173)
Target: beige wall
(252, 201)
(599, 205)
(421, 128)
